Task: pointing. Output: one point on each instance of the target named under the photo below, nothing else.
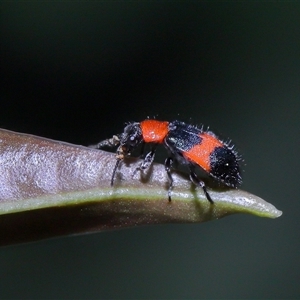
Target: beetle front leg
(148, 160)
(168, 165)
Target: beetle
(187, 144)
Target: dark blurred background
(76, 71)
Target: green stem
(51, 188)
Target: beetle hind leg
(194, 178)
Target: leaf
(51, 188)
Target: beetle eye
(132, 135)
